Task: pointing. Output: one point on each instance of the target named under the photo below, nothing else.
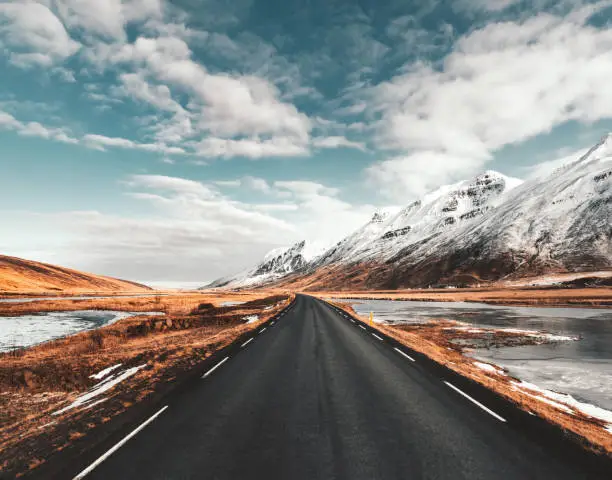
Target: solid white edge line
(246, 343)
(117, 446)
(361, 326)
(404, 354)
(476, 402)
(374, 335)
(263, 330)
(215, 367)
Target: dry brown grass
(25, 276)
(435, 341)
(169, 303)
(40, 380)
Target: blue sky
(179, 141)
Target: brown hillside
(24, 276)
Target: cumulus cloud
(406, 177)
(483, 5)
(548, 167)
(101, 141)
(502, 84)
(33, 35)
(250, 147)
(107, 18)
(321, 215)
(194, 232)
(336, 142)
(225, 115)
(35, 129)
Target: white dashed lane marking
(117, 446)
(476, 402)
(404, 354)
(215, 367)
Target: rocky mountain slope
(24, 276)
(486, 229)
(276, 265)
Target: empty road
(316, 396)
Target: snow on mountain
(486, 228)
(447, 208)
(560, 223)
(276, 264)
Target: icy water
(231, 304)
(581, 368)
(82, 297)
(27, 330)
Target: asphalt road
(316, 396)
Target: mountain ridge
(485, 229)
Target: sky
(179, 141)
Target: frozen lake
(580, 368)
(27, 330)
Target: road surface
(316, 396)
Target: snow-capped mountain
(484, 229)
(447, 208)
(276, 264)
(559, 223)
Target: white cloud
(234, 114)
(257, 184)
(172, 184)
(305, 189)
(229, 183)
(34, 129)
(337, 142)
(548, 167)
(250, 147)
(33, 35)
(484, 5)
(107, 18)
(407, 177)
(322, 216)
(503, 84)
(99, 142)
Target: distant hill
(25, 276)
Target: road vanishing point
(316, 394)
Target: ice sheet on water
(28, 330)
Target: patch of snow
(489, 368)
(46, 425)
(566, 402)
(559, 338)
(103, 373)
(529, 333)
(99, 389)
(543, 335)
(251, 318)
(93, 404)
(231, 304)
(465, 328)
